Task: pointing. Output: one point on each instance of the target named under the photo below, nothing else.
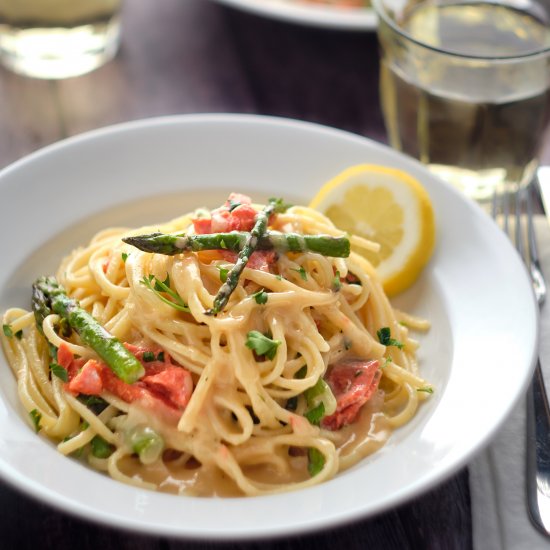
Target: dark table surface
(196, 56)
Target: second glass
(465, 88)
(58, 38)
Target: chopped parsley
(8, 332)
(101, 448)
(260, 297)
(316, 461)
(93, 402)
(233, 204)
(148, 356)
(426, 389)
(336, 282)
(262, 344)
(124, 256)
(64, 327)
(384, 337)
(164, 292)
(223, 273)
(280, 205)
(59, 371)
(302, 272)
(300, 374)
(316, 414)
(36, 417)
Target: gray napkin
(497, 475)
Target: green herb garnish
(260, 297)
(316, 461)
(280, 205)
(427, 389)
(316, 414)
(36, 417)
(93, 402)
(223, 273)
(336, 282)
(162, 290)
(8, 332)
(101, 448)
(233, 204)
(262, 344)
(301, 271)
(59, 371)
(148, 356)
(384, 337)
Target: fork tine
(518, 226)
(534, 265)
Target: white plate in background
(309, 14)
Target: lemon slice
(390, 207)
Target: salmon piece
(202, 226)
(66, 359)
(353, 383)
(113, 384)
(262, 260)
(174, 382)
(236, 214)
(88, 380)
(242, 218)
(220, 220)
(64, 356)
(237, 198)
(105, 264)
(165, 387)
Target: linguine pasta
(306, 370)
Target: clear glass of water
(465, 88)
(58, 38)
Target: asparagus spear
(161, 243)
(250, 245)
(49, 295)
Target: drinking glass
(58, 38)
(465, 88)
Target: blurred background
(197, 56)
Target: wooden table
(194, 56)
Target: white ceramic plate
(475, 291)
(309, 14)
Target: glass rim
(381, 12)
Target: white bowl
(478, 354)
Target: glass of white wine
(58, 38)
(465, 88)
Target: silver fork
(538, 411)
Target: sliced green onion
(146, 442)
(321, 393)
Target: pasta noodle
(244, 420)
